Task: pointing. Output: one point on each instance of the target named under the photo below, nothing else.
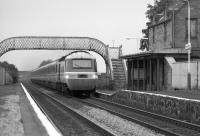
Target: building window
(165, 32)
(193, 27)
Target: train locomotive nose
(82, 82)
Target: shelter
(150, 71)
(5, 77)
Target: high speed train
(75, 73)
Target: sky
(111, 21)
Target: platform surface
(106, 92)
(188, 94)
(17, 117)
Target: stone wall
(179, 108)
(159, 31)
(180, 37)
(179, 77)
(180, 25)
(168, 76)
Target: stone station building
(164, 65)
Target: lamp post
(113, 41)
(188, 47)
(134, 39)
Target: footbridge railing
(53, 43)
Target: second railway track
(162, 124)
(153, 115)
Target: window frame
(165, 32)
(196, 28)
(153, 34)
(82, 67)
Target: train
(75, 73)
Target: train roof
(49, 64)
(78, 55)
(71, 55)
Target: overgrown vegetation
(155, 13)
(11, 69)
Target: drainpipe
(173, 31)
(197, 75)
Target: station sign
(188, 46)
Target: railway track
(181, 123)
(41, 98)
(159, 123)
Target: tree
(154, 14)
(45, 62)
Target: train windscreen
(76, 63)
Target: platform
(17, 117)
(179, 104)
(188, 94)
(106, 92)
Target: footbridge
(111, 55)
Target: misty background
(111, 21)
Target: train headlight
(94, 76)
(67, 76)
(70, 76)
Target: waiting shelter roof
(151, 54)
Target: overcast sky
(111, 21)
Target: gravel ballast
(119, 126)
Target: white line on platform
(51, 130)
(104, 93)
(162, 95)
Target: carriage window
(81, 63)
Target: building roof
(150, 54)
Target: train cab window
(81, 63)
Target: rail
(78, 115)
(154, 115)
